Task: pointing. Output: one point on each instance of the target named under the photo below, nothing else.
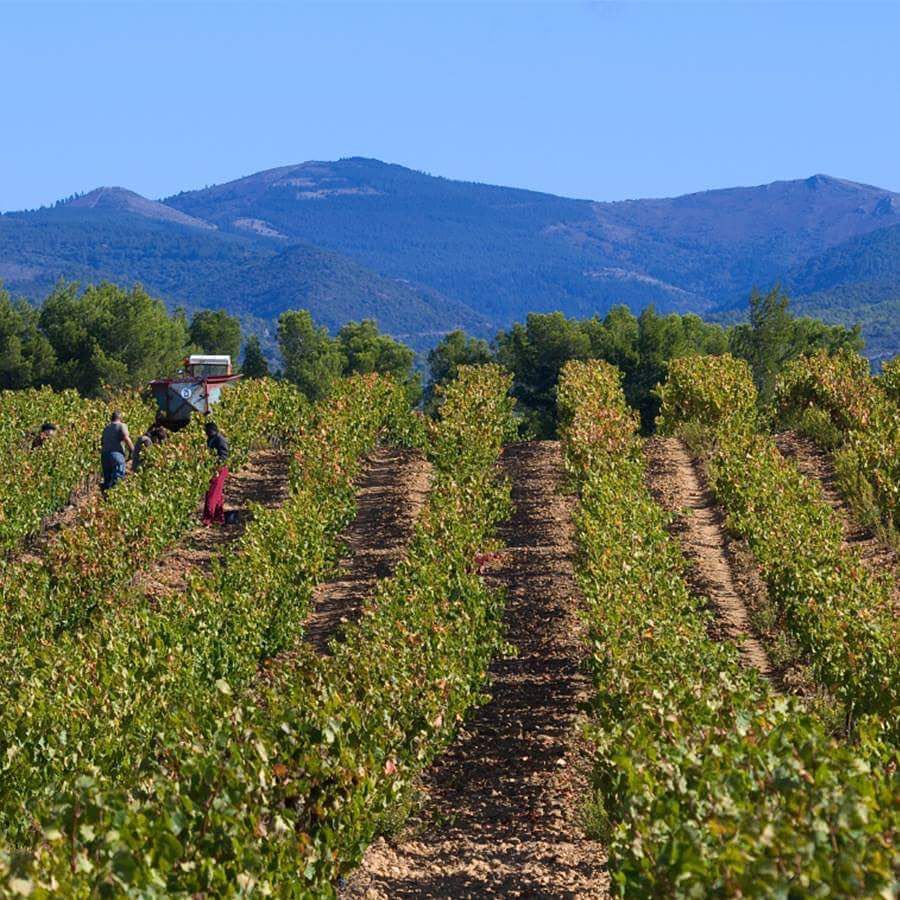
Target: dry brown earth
(501, 809)
(391, 492)
(678, 484)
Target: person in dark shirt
(140, 445)
(156, 435)
(215, 440)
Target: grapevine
(706, 782)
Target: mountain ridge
(123, 199)
(480, 254)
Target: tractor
(196, 388)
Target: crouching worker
(156, 435)
(114, 440)
(141, 444)
(47, 431)
(214, 506)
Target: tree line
(106, 338)
(641, 346)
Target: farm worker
(47, 431)
(156, 435)
(140, 445)
(215, 440)
(114, 439)
(214, 505)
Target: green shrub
(717, 391)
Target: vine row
(840, 614)
(36, 482)
(275, 784)
(706, 782)
(87, 567)
(833, 399)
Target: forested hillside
(424, 255)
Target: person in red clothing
(214, 505)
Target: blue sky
(587, 99)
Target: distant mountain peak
(123, 200)
(820, 180)
(310, 180)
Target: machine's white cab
(202, 365)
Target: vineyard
(431, 659)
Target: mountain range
(422, 254)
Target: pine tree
(255, 364)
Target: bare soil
(676, 481)
(501, 809)
(263, 480)
(391, 492)
(35, 544)
(816, 465)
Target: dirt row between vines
(500, 810)
(263, 480)
(391, 490)
(390, 495)
(35, 544)
(816, 465)
(678, 485)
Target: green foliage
(312, 360)
(255, 364)
(85, 563)
(26, 357)
(874, 307)
(661, 339)
(22, 411)
(107, 339)
(773, 337)
(839, 614)
(276, 784)
(836, 610)
(707, 783)
(839, 384)
(35, 482)
(536, 352)
(365, 350)
(593, 415)
(216, 332)
(714, 392)
(835, 401)
(154, 663)
(454, 350)
(444, 360)
(889, 380)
